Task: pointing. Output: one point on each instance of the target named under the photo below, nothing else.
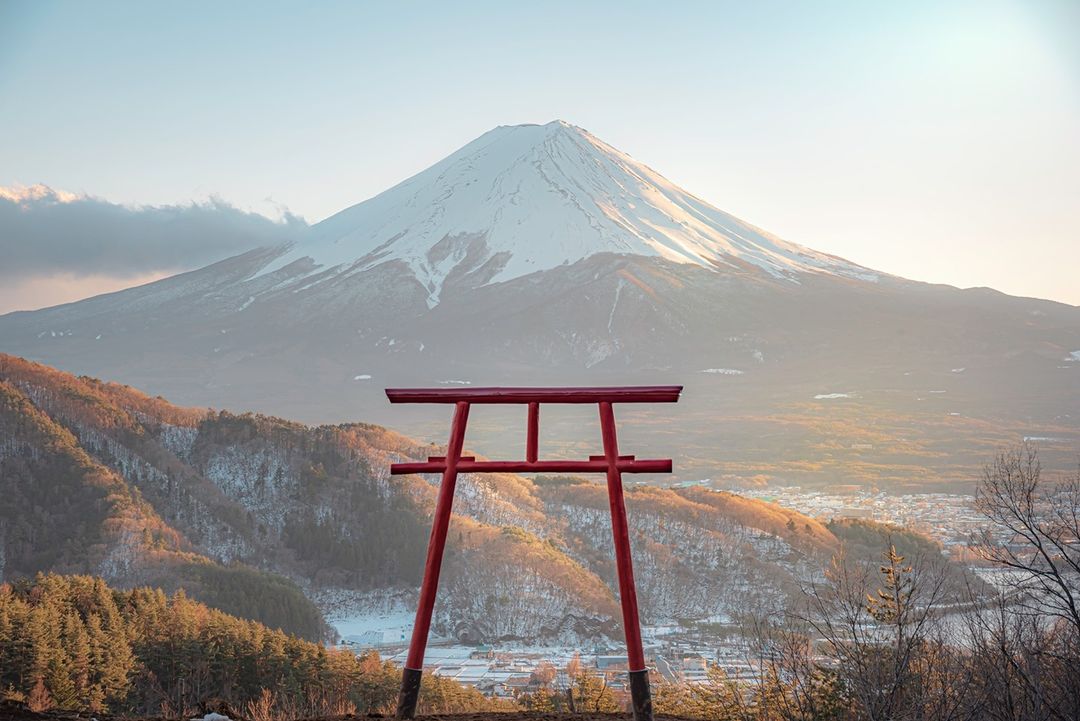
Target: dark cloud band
(43, 232)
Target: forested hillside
(212, 501)
(255, 515)
(694, 556)
(71, 642)
(65, 511)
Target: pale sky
(935, 140)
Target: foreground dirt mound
(522, 716)
(10, 711)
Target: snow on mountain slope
(539, 255)
(526, 198)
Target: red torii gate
(611, 463)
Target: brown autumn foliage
(72, 643)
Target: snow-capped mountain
(538, 254)
(526, 198)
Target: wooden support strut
(611, 463)
(532, 434)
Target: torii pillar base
(410, 693)
(641, 695)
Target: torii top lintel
(533, 397)
(612, 394)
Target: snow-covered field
(368, 619)
(375, 628)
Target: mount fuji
(539, 254)
(528, 198)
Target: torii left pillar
(611, 464)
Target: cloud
(48, 233)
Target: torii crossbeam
(611, 463)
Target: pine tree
(8, 662)
(119, 661)
(539, 701)
(77, 646)
(17, 655)
(39, 700)
(891, 600)
(42, 639)
(58, 679)
(592, 694)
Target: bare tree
(544, 674)
(1027, 645)
(794, 685)
(261, 708)
(1036, 533)
(877, 626)
(573, 670)
(1006, 649)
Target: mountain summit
(527, 198)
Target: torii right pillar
(640, 695)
